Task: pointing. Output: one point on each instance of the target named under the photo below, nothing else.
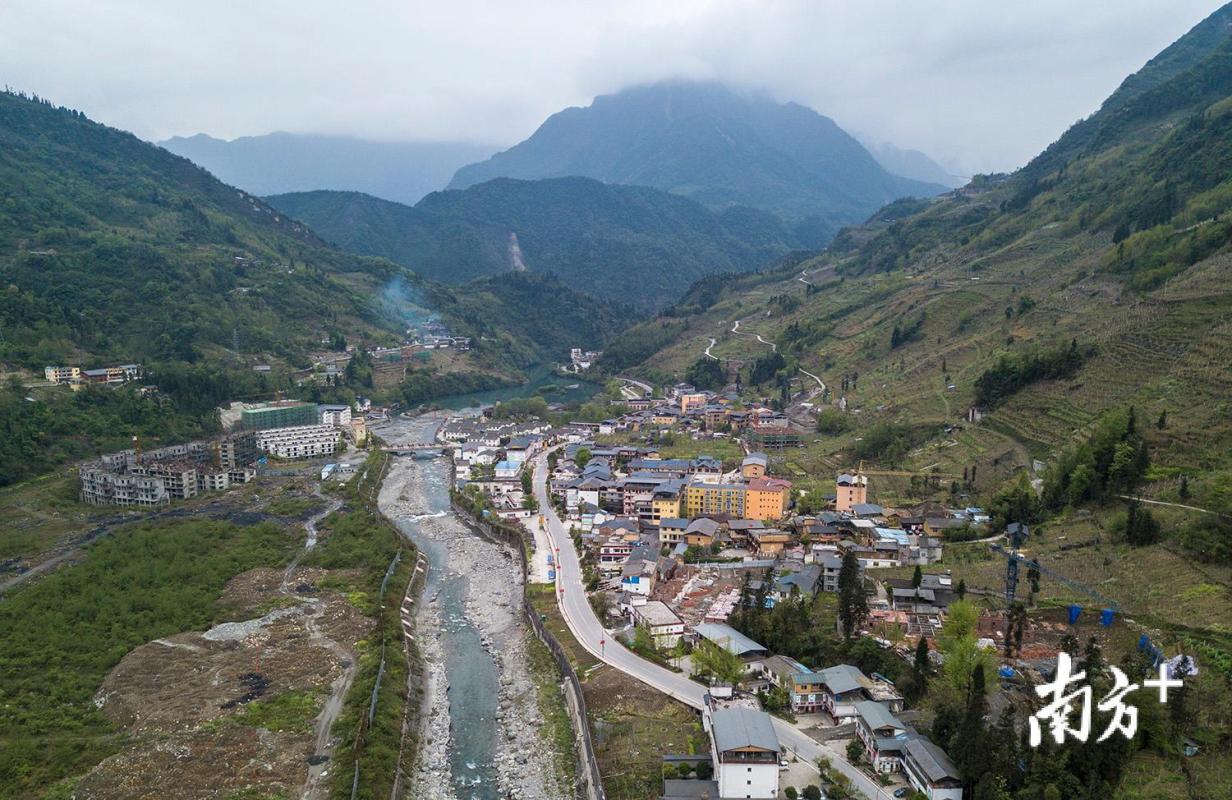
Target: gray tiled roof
(736, 728)
(932, 760)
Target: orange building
(767, 498)
(850, 490)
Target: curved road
(736, 330)
(586, 628)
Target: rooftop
(740, 728)
(932, 760)
(727, 637)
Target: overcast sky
(978, 84)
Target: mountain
(713, 145)
(911, 164)
(291, 162)
(631, 244)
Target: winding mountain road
(736, 330)
(590, 633)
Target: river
(481, 714)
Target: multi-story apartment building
(63, 374)
(850, 491)
(767, 498)
(179, 478)
(282, 414)
(302, 441)
(102, 487)
(339, 416)
(706, 499)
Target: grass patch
(41, 513)
(557, 730)
(289, 711)
(542, 597)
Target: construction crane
(137, 446)
(898, 473)
(1017, 534)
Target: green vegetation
(1113, 460)
(288, 711)
(524, 318)
(889, 441)
(423, 385)
(632, 244)
(1011, 374)
(707, 373)
(59, 425)
(116, 249)
(363, 543)
(61, 636)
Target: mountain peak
(716, 144)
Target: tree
(582, 457)
(791, 793)
(961, 589)
(855, 749)
(917, 577)
(1162, 422)
(852, 603)
(1183, 491)
(812, 792)
(1141, 527)
(969, 747)
(921, 669)
(958, 644)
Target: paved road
(586, 628)
(820, 384)
(1172, 505)
(736, 330)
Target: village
(673, 549)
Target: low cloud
(978, 85)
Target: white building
(62, 374)
(660, 622)
(304, 441)
(931, 771)
(100, 487)
(745, 751)
(337, 416)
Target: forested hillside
(113, 249)
(631, 244)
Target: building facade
(283, 414)
(303, 441)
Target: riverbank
(471, 745)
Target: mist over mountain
(913, 164)
(291, 162)
(713, 145)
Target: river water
(469, 669)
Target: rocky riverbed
(521, 763)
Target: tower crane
(1017, 533)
